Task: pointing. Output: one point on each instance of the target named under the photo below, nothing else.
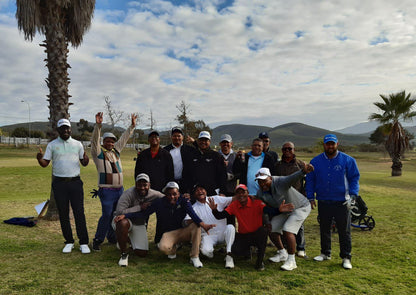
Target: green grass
(31, 261)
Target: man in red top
(249, 214)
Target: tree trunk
(396, 168)
(56, 48)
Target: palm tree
(62, 22)
(395, 108)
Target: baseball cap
(170, 184)
(176, 129)
(63, 122)
(109, 134)
(330, 137)
(153, 132)
(143, 176)
(204, 134)
(263, 135)
(242, 186)
(226, 137)
(263, 173)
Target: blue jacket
(333, 179)
(168, 217)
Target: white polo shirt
(65, 156)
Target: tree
(380, 135)
(395, 108)
(62, 22)
(152, 121)
(114, 115)
(190, 127)
(20, 132)
(85, 129)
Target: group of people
(198, 194)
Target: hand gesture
(284, 208)
(85, 160)
(144, 206)
(189, 139)
(119, 217)
(313, 204)
(211, 204)
(207, 227)
(39, 155)
(133, 119)
(99, 118)
(308, 168)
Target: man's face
(203, 143)
(142, 187)
(226, 147)
(64, 132)
(172, 194)
(154, 140)
(288, 150)
(108, 143)
(177, 139)
(330, 148)
(200, 194)
(265, 184)
(257, 148)
(242, 196)
(266, 143)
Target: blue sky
(321, 63)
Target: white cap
(263, 173)
(226, 137)
(170, 184)
(204, 134)
(63, 122)
(143, 176)
(109, 134)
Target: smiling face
(108, 143)
(172, 194)
(266, 143)
(226, 147)
(242, 196)
(177, 139)
(288, 150)
(200, 194)
(64, 132)
(203, 143)
(154, 140)
(257, 148)
(265, 184)
(142, 187)
(331, 148)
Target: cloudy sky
(321, 63)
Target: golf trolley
(359, 217)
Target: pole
(28, 105)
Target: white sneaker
(124, 260)
(322, 257)
(84, 249)
(196, 262)
(346, 263)
(280, 256)
(290, 264)
(68, 248)
(301, 253)
(172, 256)
(229, 262)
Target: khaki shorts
(137, 235)
(290, 222)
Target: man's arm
(95, 137)
(122, 141)
(353, 176)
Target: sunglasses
(286, 149)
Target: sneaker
(290, 264)
(280, 256)
(346, 263)
(172, 256)
(68, 248)
(124, 260)
(84, 249)
(196, 262)
(301, 253)
(229, 262)
(322, 257)
(260, 265)
(96, 245)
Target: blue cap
(263, 135)
(330, 137)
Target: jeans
(335, 210)
(109, 198)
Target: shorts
(137, 235)
(290, 222)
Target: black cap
(263, 135)
(176, 129)
(195, 187)
(153, 132)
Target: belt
(112, 188)
(67, 179)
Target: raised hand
(99, 118)
(133, 119)
(39, 155)
(211, 204)
(286, 207)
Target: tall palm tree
(62, 22)
(395, 108)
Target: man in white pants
(222, 232)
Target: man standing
(246, 165)
(180, 154)
(135, 199)
(286, 166)
(222, 232)
(226, 151)
(170, 212)
(266, 146)
(206, 167)
(110, 176)
(66, 153)
(156, 162)
(333, 182)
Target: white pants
(209, 241)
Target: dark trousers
(300, 239)
(70, 192)
(242, 243)
(341, 214)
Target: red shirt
(249, 217)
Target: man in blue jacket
(333, 182)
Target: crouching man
(170, 212)
(221, 233)
(251, 232)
